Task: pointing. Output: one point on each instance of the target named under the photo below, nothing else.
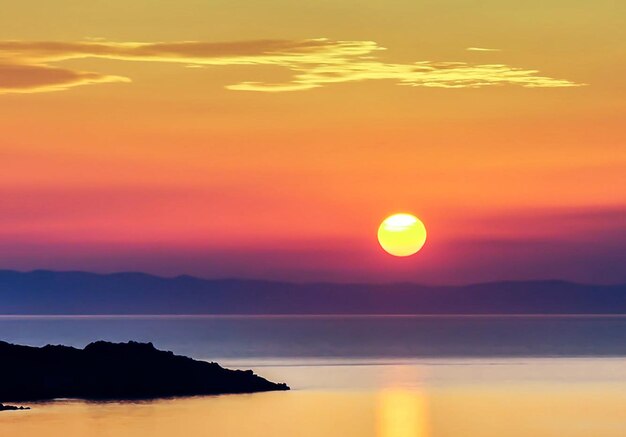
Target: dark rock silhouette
(105, 370)
(12, 408)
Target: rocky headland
(104, 370)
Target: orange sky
(269, 139)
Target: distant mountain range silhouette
(48, 292)
(105, 370)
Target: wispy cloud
(482, 49)
(29, 67)
(32, 78)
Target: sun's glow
(402, 234)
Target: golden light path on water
(402, 413)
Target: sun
(402, 234)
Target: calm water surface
(358, 376)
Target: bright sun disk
(402, 234)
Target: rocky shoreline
(12, 408)
(104, 370)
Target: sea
(383, 376)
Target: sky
(269, 139)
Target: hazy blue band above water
(335, 336)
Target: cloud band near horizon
(30, 66)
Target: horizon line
(311, 316)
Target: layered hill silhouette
(105, 370)
(47, 292)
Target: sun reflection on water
(402, 413)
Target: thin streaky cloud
(27, 66)
(32, 78)
(482, 49)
